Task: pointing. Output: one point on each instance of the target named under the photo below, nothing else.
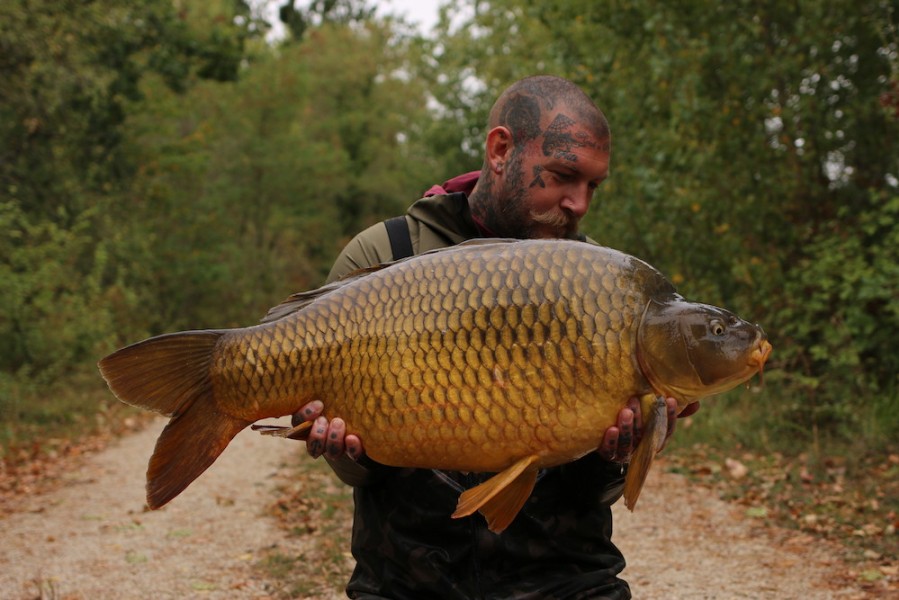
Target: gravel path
(92, 539)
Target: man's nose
(577, 202)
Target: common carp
(496, 356)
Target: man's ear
(499, 148)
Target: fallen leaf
(735, 468)
(757, 512)
(135, 558)
(870, 575)
(203, 586)
(805, 476)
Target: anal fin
(655, 431)
(501, 497)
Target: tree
(754, 159)
(70, 73)
(268, 177)
(319, 12)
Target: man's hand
(620, 440)
(327, 437)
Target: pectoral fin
(501, 497)
(655, 413)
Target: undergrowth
(37, 420)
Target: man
(547, 150)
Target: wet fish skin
(494, 357)
(485, 351)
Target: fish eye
(717, 327)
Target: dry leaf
(735, 468)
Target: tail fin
(170, 374)
(656, 417)
(187, 446)
(165, 373)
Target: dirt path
(91, 539)
(708, 549)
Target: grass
(38, 421)
(765, 421)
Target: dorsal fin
(298, 301)
(488, 241)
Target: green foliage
(162, 168)
(844, 330)
(48, 323)
(68, 71)
(300, 20)
(250, 189)
(754, 161)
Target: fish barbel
(496, 356)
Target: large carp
(500, 356)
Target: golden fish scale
(463, 360)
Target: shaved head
(526, 106)
(547, 149)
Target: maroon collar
(460, 183)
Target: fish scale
(509, 353)
(498, 356)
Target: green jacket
(405, 543)
(434, 222)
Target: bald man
(547, 149)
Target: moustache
(557, 219)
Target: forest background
(165, 167)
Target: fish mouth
(759, 357)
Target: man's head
(547, 149)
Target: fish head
(689, 350)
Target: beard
(512, 217)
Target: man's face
(549, 181)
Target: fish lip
(759, 356)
